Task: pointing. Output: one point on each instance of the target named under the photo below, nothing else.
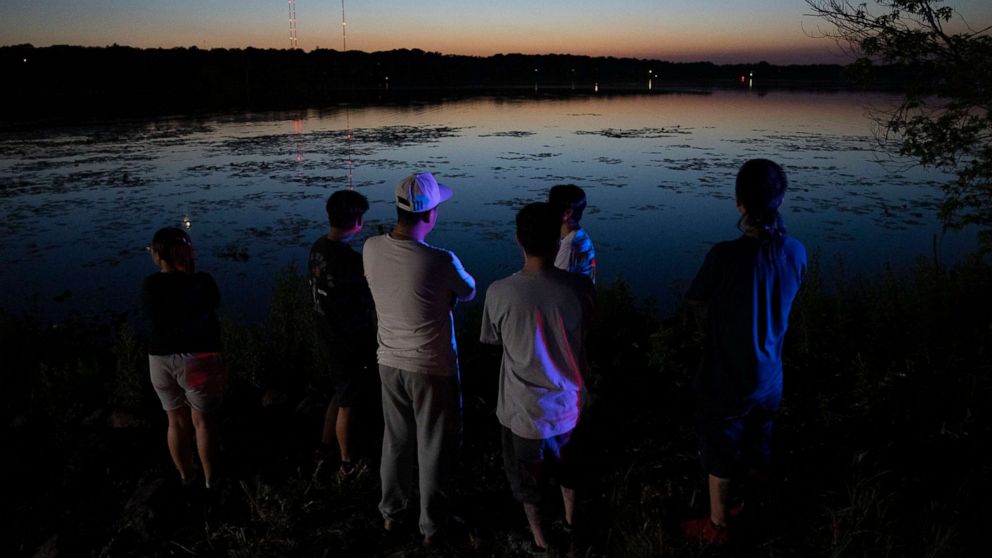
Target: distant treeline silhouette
(60, 82)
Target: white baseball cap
(421, 192)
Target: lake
(80, 203)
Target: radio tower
(344, 30)
(293, 42)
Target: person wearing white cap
(415, 286)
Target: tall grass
(879, 446)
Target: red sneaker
(706, 531)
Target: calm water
(81, 203)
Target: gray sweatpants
(421, 413)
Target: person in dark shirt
(184, 356)
(746, 287)
(345, 317)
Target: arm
(463, 284)
(490, 333)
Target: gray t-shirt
(415, 285)
(576, 254)
(541, 319)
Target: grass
(879, 446)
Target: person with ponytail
(184, 357)
(745, 288)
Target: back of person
(341, 295)
(415, 285)
(184, 360)
(751, 288)
(575, 253)
(182, 310)
(747, 287)
(541, 319)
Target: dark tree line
(82, 82)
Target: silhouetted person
(345, 318)
(576, 252)
(184, 357)
(541, 316)
(415, 286)
(746, 287)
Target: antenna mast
(344, 30)
(293, 42)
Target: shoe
(704, 530)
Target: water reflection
(658, 170)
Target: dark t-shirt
(182, 310)
(341, 300)
(748, 291)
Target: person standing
(576, 252)
(415, 286)
(345, 319)
(541, 316)
(746, 288)
(184, 356)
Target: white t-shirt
(541, 319)
(415, 285)
(576, 254)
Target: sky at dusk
(722, 31)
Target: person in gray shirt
(414, 286)
(541, 316)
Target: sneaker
(704, 530)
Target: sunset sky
(722, 31)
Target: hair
(568, 196)
(173, 246)
(409, 218)
(760, 189)
(345, 207)
(538, 229)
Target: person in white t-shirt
(541, 316)
(576, 253)
(415, 286)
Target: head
(760, 189)
(569, 199)
(410, 219)
(538, 228)
(174, 247)
(345, 209)
(417, 198)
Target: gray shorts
(193, 379)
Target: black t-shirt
(341, 297)
(182, 310)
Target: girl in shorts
(184, 351)
(746, 287)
